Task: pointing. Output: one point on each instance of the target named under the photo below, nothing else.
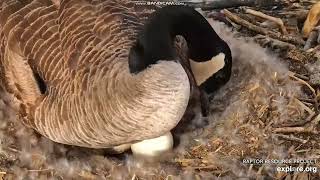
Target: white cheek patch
(204, 70)
(153, 147)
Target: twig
(303, 82)
(221, 4)
(292, 138)
(302, 151)
(307, 120)
(316, 104)
(311, 40)
(205, 167)
(218, 149)
(315, 121)
(213, 169)
(278, 21)
(308, 101)
(259, 172)
(39, 170)
(301, 123)
(295, 130)
(12, 149)
(317, 47)
(274, 43)
(250, 170)
(304, 107)
(285, 38)
(299, 14)
(134, 177)
(305, 78)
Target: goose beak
(153, 147)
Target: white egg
(153, 147)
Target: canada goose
(90, 74)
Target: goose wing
(49, 53)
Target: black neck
(155, 41)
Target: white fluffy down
(153, 147)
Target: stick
(304, 82)
(221, 4)
(304, 107)
(300, 14)
(315, 121)
(285, 38)
(134, 177)
(311, 40)
(305, 78)
(278, 21)
(295, 130)
(39, 170)
(292, 138)
(306, 101)
(316, 104)
(11, 149)
(275, 43)
(300, 123)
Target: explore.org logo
(159, 3)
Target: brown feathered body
(79, 49)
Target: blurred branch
(295, 130)
(278, 21)
(273, 43)
(311, 40)
(221, 4)
(263, 31)
(292, 138)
